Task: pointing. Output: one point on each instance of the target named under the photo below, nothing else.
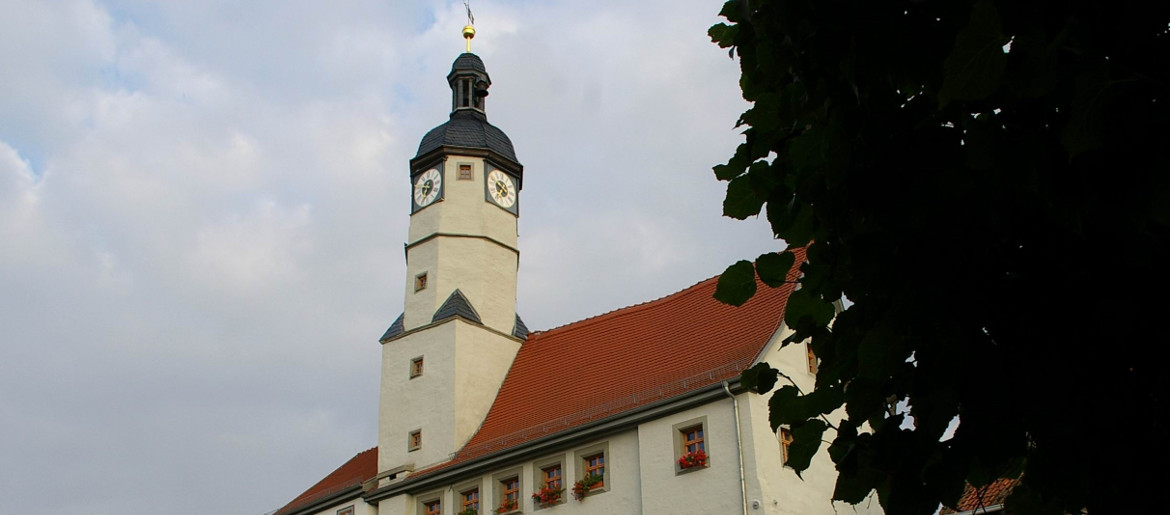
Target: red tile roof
(612, 363)
(987, 496)
(358, 469)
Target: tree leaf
(773, 267)
(742, 200)
(759, 378)
(737, 284)
(806, 439)
(975, 67)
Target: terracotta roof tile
(612, 363)
(360, 468)
(990, 495)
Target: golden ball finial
(468, 33)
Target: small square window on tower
(420, 282)
(465, 172)
(416, 367)
(414, 441)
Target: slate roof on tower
(468, 129)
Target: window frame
(463, 502)
(433, 500)
(784, 436)
(500, 492)
(811, 357)
(680, 443)
(420, 282)
(538, 474)
(414, 440)
(470, 172)
(582, 467)
(348, 510)
(416, 367)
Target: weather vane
(469, 29)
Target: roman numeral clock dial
(501, 189)
(426, 187)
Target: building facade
(638, 410)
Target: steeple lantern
(469, 83)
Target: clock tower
(444, 358)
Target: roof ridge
(632, 308)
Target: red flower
(692, 459)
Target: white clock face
(501, 188)
(426, 187)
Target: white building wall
(360, 507)
(714, 489)
(776, 487)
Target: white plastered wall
(776, 487)
(714, 489)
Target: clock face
(501, 188)
(426, 187)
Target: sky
(203, 206)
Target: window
(414, 441)
(348, 510)
(420, 282)
(465, 172)
(509, 495)
(552, 476)
(416, 367)
(692, 438)
(470, 500)
(434, 507)
(785, 441)
(595, 466)
(690, 446)
(812, 359)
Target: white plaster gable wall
(485, 271)
(777, 487)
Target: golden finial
(469, 29)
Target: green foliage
(988, 183)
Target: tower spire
(469, 29)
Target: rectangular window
(470, 500)
(812, 359)
(433, 508)
(509, 495)
(690, 445)
(552, 476)
(348, 510)
(785, 441)
(416, 367)
(420, 282)
(595, 466)
(414, 441)
(465, 172)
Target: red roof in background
(976, 498)
(358, 469)
(612, 363)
